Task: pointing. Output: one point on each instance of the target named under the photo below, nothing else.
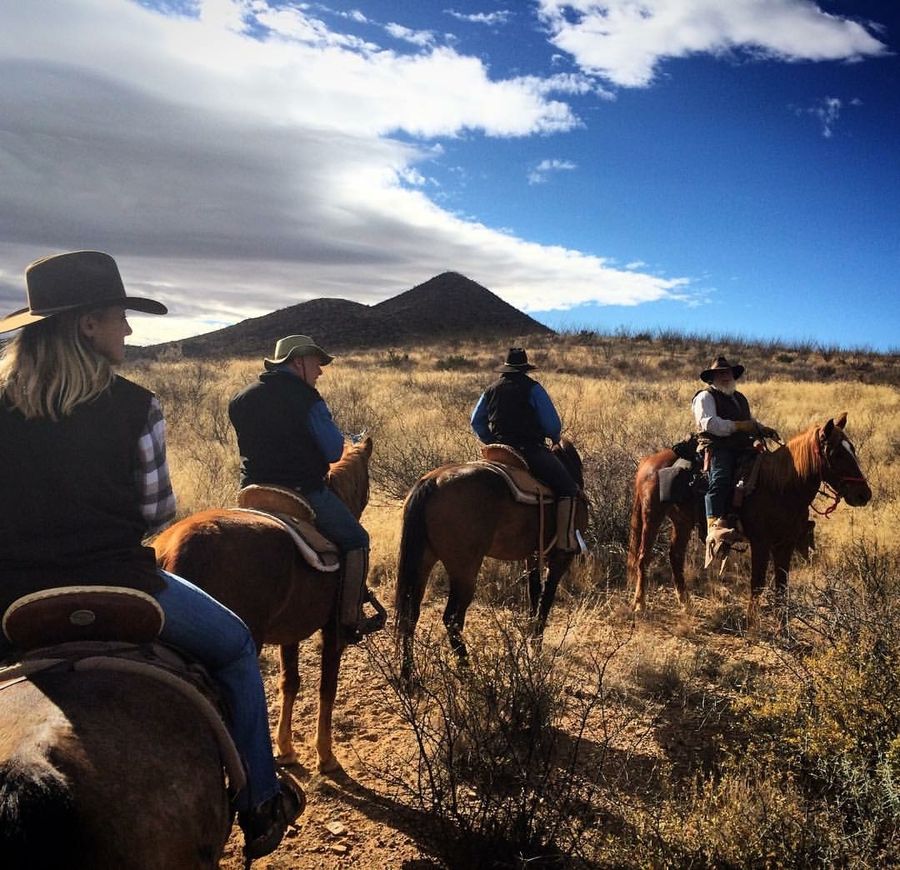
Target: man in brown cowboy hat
(725, 429)
(287, 437)
(516, 410)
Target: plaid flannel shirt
(153, 482)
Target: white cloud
(422, 38)
(538, 175)
(501, 16)
(233, 174)
(828, 112)
(624, 41)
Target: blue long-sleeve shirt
(325, 431)
(548, 418)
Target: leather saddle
(297, 517)
(512, 467)
(78, 628)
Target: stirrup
(264, 826)
(368, 624)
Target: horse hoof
(286, 758)
(330, 765)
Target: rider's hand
(747, 427)
(769, 432)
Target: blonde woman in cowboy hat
(516, 410)
(287, 437)
(84, 452)
(725, 429)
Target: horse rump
(38, 821)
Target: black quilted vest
(276, 446)
(511, 418)
(69, 506)
(733, 407)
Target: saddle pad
(504, 455)
(674, 484)
(76, 613)
(316, 549)
(276, 500)
(523, 486)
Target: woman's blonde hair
(49, 368)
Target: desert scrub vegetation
(669, 741)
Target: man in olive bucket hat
(725, 429)
(287, 437)
(516, 410)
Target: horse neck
(348, 479)
(796, 468)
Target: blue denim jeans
(197, 624)
(334, 520)
(721, 477)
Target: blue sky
(698, 165)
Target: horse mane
(348, 478)
(798, 460)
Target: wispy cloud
(624, 41)
(538, 175)
(501, 16)
(828, 112)
(422, 38)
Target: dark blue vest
(511, 417)
(276, 446)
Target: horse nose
(859, 497)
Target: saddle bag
(675, 482)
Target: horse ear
(827, 429)
(841, 421)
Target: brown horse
(251, 564)
(774, 517)
(100, 769)
(458, 514)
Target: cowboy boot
(354, 623)
(566, 539)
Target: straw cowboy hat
(720, 365)
(516, 361)
(296, 345)
(78, 280)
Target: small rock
(335, 828)
(340, 848)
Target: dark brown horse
(774, 517)
(458, 514)
(251, 564)
(104, 770)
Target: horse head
(565, 451)
(838, 464)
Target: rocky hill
(444, 307)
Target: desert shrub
(825, 371)
(395, 360)
(454, 362)
(784, 358)
(503, 764)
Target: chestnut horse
(251, 565)
(774, 516)
(103, 769)
(458, 514)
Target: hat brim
(25, 316)
(708, 374)
(324, 358)
(524, 367)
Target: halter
(830, 491)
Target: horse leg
(462, 591)
(649, 529)
(781, 555)
(332, 649)
(681, 534)
(408, 616)
(288, 686)
(559, 565)
(759, 563)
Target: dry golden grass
(677, 685)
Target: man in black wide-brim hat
(515, 410)
(725, 429)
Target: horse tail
(38, 820)
(635, 533)
(413, 541)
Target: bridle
(829, 490)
